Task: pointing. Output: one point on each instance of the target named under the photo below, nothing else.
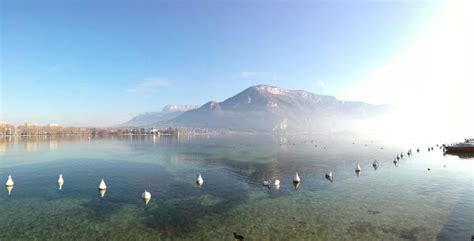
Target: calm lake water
(407, 202)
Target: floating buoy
(60, 181)
(199, 180)
(102, 188)
(329, 176)
(102, 185)
(146, 197)
(357, 170)
(375, 164)
(9, 182)
(277, 184)
(296, 179)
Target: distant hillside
(266, 108)
(152, 118)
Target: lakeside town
(52, 129)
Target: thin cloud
(275, 77)
(247, 74)
(148, 85)
(260, 74)
(319, 84)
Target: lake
(404, 202)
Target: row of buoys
(329, 176)
(103, 187)
(146, 196)
(375, 164)
(200, 181)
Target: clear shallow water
(391, 203)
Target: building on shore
(6, 129)
(51, 129)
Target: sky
(85, 63)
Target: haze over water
(407, 202)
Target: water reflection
(3, 147)
(9, 189)
(31, 146)
(53, 145)
(102, 193)
(460, 155)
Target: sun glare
(431, 83)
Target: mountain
(264, 108)
(151, 118)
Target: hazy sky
(101, 62)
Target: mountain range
(152, 118)
(265, 108)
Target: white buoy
(375, 164)
(329, 176)
(199, 180)
(358, 169)
(60, 181)
(277, 182)
(102, 185)
(146, 197)
(297, 178)
(9, 182)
